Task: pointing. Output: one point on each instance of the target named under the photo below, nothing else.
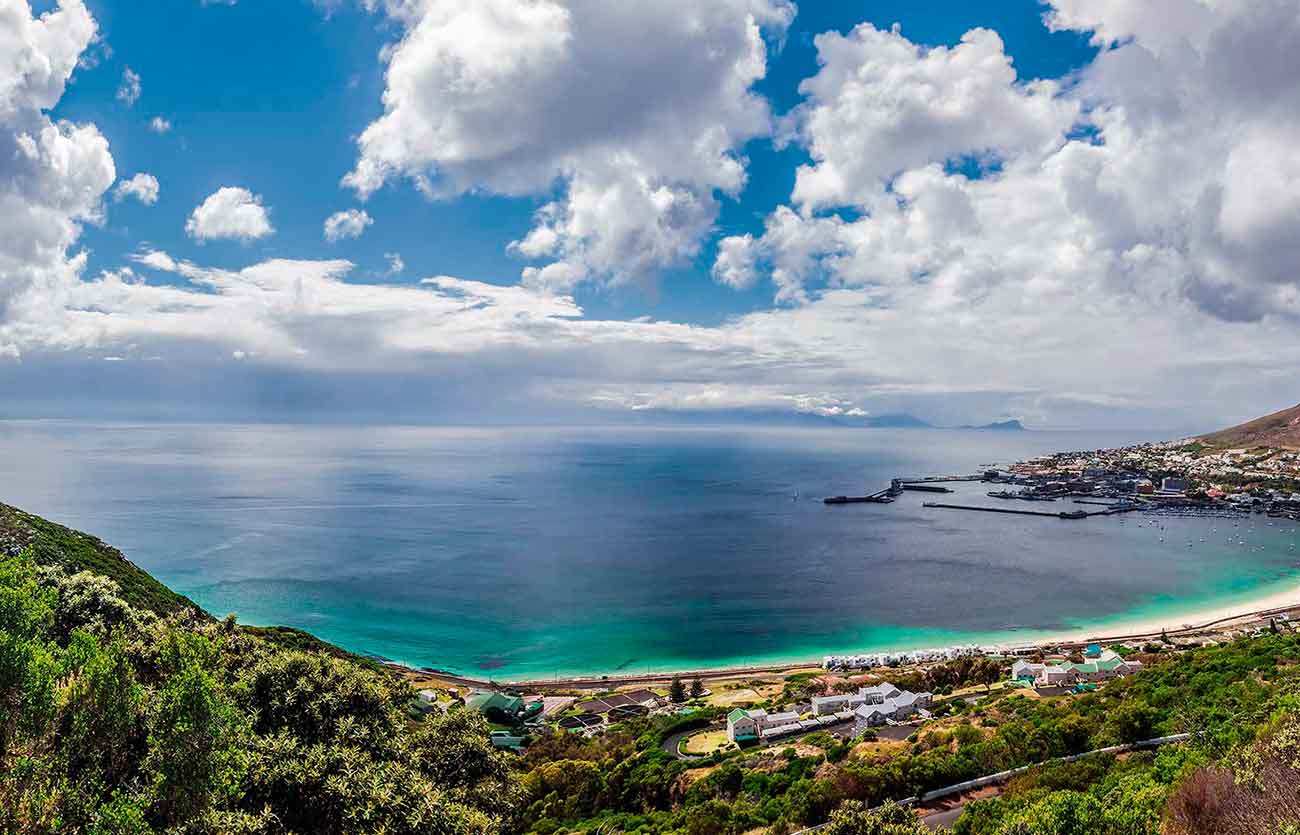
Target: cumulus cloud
(346, 224)
(395, 263)
(230, 213)
(1167, 171)
(160, 125)
(143, 187)
(53, 176)
(587, 89)
(128, 90)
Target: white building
(1099, 665)
(877, 705)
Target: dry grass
(707, 742)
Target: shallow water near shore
(524, 552)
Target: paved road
(945, 819)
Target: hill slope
(53, 544)
(1280, 429)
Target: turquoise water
(520, 552)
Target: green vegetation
(131, 713)
(50, 544)
(116, 720)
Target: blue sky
(719, 207)
(270, 96)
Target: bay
(526, 552)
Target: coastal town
(1177, 475)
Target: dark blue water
(520, 552)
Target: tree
(987, 672)
(197, 756)
(697, 688)
(853, 818)
(677, 691)
(1061, 813)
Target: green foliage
(116, 722)
(854, 819)
(48, 544)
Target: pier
(1059, 514)
(940, 479)
(925, 488)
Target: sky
(1078, 213)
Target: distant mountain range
(772, 418)
(1280, 429)
(914, 422)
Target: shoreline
(1213, 617)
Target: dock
(925, 488)
(940, 479)
(1059, 514)
(879, 497)
(875, 498)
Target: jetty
(1059, 514)
(874, 498)
(926, 488)
(939, 479)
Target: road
(945, 819)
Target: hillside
(1280, 429)
(114, 721)
(52, 544)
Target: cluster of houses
(867, 661)
(871, 660)
(872, 706)
(1098, 665)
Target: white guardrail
(1003, 776)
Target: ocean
(529, 552)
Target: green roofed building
(495, 706)
(741, 727)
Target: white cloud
(1183, 185)
(53, 176)
(156, 259)
(513, 96)
(880, 105)
(395, 263)
(230, 213)
(347, 224)
(143, 187)
(128, 91)
(160, 125)
(736, 265)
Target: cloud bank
(960, 242)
